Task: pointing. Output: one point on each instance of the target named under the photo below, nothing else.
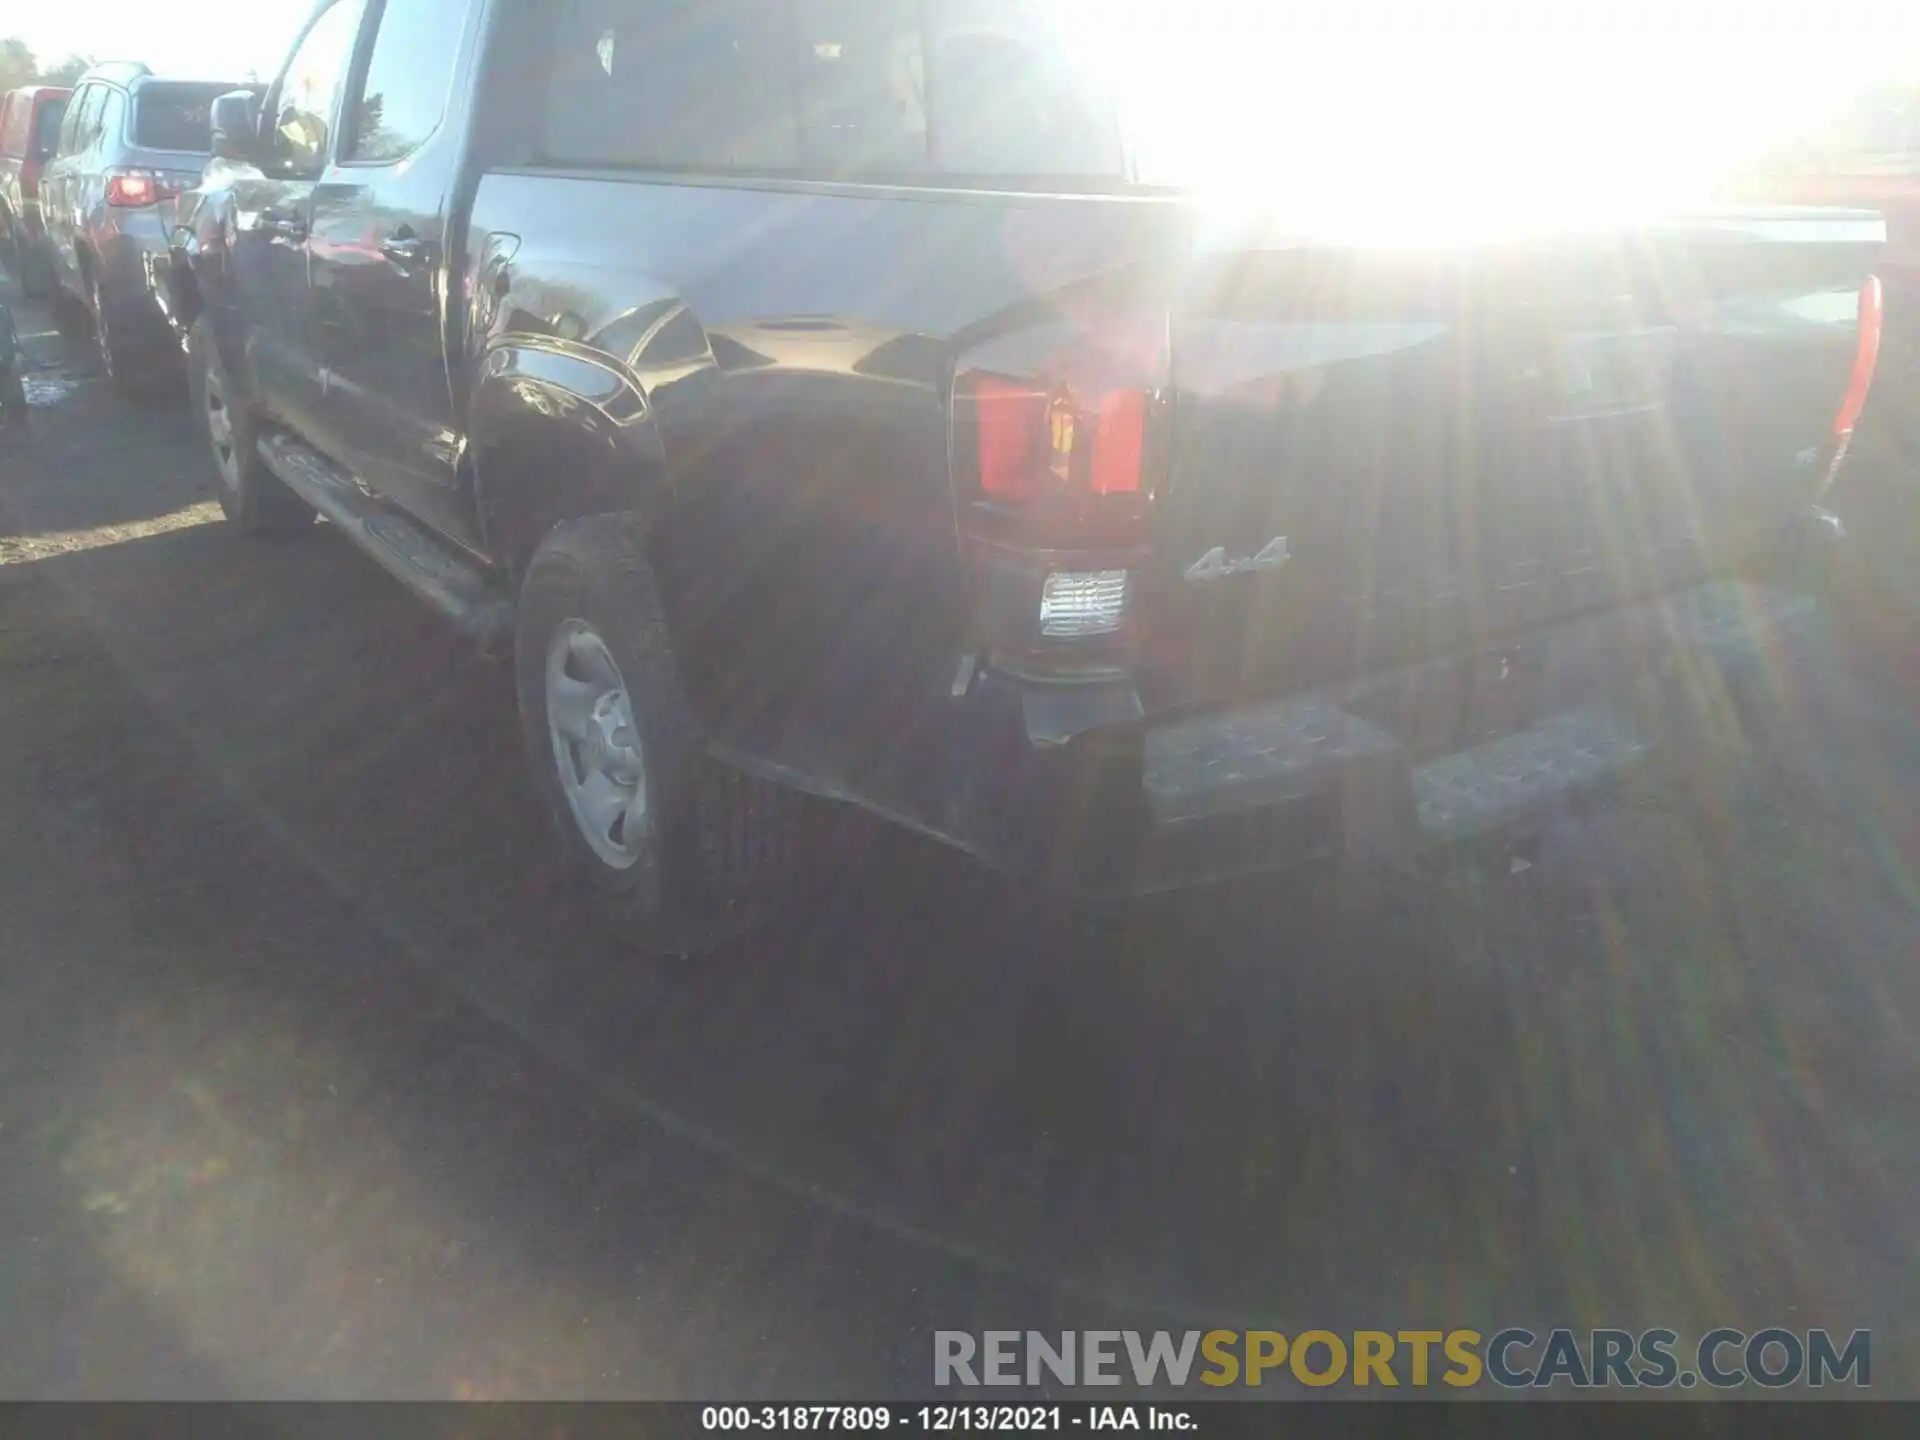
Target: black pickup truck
(810, 396)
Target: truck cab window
(408, 79)
(306, 99)
(862, 84)
(684, 84)
(1010, 100)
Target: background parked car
(29, 125)
(129, 144)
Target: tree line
(20, 66)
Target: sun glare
(1421, 124)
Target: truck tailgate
(1383, 455)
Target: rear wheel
(70, 316)
(673, 854)
(132, 363)
(250, 494)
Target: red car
(29, 124)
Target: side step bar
(452, 584)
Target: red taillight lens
(1030, 438)
(1865, 359)
(1009, 418)
(1053, 434)
(133, 188)
(1119, 444)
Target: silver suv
(129, 144)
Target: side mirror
(236, 125)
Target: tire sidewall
(112, 362)
(661, 902)
(259, 502)
(203, 354)
(32, 270)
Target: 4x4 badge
(1214, 565)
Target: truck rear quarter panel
(764, 368)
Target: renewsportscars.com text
(1513, 1358)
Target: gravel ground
(313, 1084)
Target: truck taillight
(1034, 438)
(1866, 358)
(130, 189)
(1057, 445)
(1052, 434)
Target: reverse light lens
(1080, 603)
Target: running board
(456, 587)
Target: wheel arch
(557, 436)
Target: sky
(176, 39)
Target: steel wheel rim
(220, 428)
(597, 753)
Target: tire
(33, 271)
(13, 404)
(133, 370)
(685, 867)
(251, 495)
(70, 316)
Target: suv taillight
(133, 188)
(1866, 358)
(1056, 436)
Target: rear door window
(670, 84)
(1012, 98)
(113, 118)
(172, 116)
(874, 88)
(12, 124)
(861, 84)
(73, 130)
